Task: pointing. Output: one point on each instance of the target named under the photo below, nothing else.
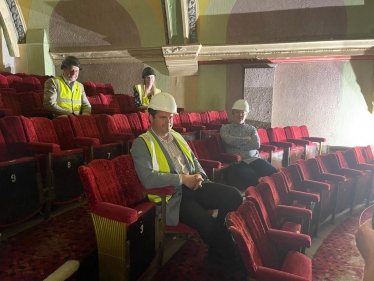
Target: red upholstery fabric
(214, 117)
(269, 221)
(11, 101)
(259, 256)
(44, 129)
(109, 89)
(3, 81)
(15, 82)
(122, 123)
(89, 88)
(250, 236)
(200, 149)
(14, 139)
(107, 127)
(177, 125)
(135, 124)
(88, 125)
(111, 102)
(100, 88)
(106, 181)
(144, 119)
(128, 179)
(223, 117)
(64, 133)
(31, 84)
(304, 131)
(368, 153)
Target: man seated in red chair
(163, 158)
(242, 139)
(64, 95)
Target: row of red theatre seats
(282, 210)
(286, 208)
(58, 147)
(22, 82)
(100, 136)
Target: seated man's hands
(192, 181)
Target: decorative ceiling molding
(18, 20)
(104, 55)
(286, 51)
(183, 60)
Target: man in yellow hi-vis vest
(63, 95)
(163, 158)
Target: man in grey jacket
(64, 95)
(163, 158)
(242, 139)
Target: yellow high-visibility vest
(159, 161)
(145, 100)
(66, 97)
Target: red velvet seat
(311, 148)
(135, 124)
(109, 90)
(177, 125)
(15, 82)
(339, 165)
(100, 88)
(110, 133)
(59, 167)
(288, 195)
(11, 102)
(85, 126)
(97, 106)
(3, 82)
(277, 216)
(302, 181)
(110, 102)
(144, 119)
(356, 160)
(278, 137)
(216, 170)
(223, 117)
(305, 135)
(210, 121)
(132, 188)
(188, 122)
(259, 256)
(344, 185)
(89, 88)
(124, 223)
(21, 191)
(278, 156)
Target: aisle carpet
(35, 253)
(191, 263)
(337, 258)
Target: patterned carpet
(191, 263)
(337, 258)
(35, 253)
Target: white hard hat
(164, 102)
(241, 105)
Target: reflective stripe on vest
(159, 161)
(66, 97)
(142, 96)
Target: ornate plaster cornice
(105, 55)
(284, 51)
(183, 60)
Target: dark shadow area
(86, 23)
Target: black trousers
(193, 212)
(250, 173)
